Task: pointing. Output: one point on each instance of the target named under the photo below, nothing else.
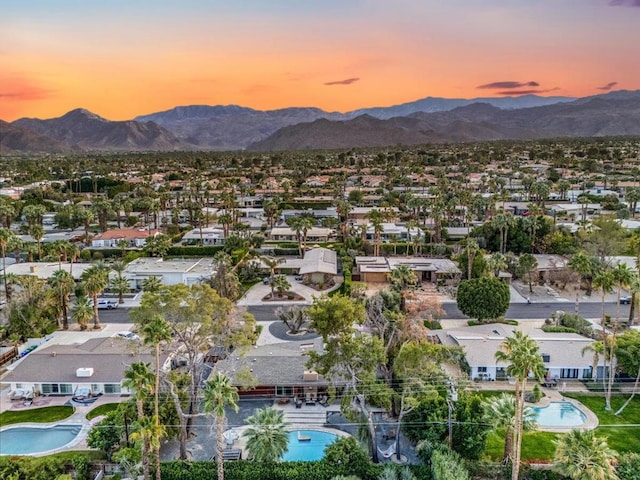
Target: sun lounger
(304, 438)
(389, 451)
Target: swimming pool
(560, 414)
(308, 445)
(28, 440)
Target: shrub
(556, 329)
(446, 465)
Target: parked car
(127, 334)
(626, 300)
(298, 278)
(105, 304)
(265, 281)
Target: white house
(208, 236)
(170, 272)
(561, 352)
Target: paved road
(520, 311)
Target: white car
(105, 304)
(128, 335)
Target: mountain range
(202, 127)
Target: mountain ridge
(234, 127)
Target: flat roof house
(561, 352)
(170, 272)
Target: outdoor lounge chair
(303, 438)
(389, 451)
(298, 402)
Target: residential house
(205, 235)
(377, 269)
(319, 266)
(135, 237)
(45, 270)
(314, 234)
(561, 352)
(98, 364)
(170, 272)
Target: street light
(451, 399)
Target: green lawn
(37, 415)
(535, 445)
(621, 438)
(102, 410)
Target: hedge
(202, 251)
(556, 329)
(246, 470)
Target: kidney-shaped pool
(29, 440)
(560, 414)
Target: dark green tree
(483, 298)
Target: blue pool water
(559, 414)
(26, 440)
(309, 450)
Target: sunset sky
(122, 58)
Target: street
(517, 311)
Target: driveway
(255, 294)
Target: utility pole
(451, 399)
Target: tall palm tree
(597, 349)
(376, 218)
(140, 378)
(82, 312)
(580, 455)
(37, 232)
(502, 222)
(218, 394)
(95, 279)
(154, 333)
(272, 263)
(267, 435)
(500, 412)
(62, 284)
(523, 357)
(5, 237)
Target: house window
(546, 358)
(57, 388)
(111, 388)
(569, 373)
(284, 391)
(587, 372)
(18, 385)
(482, 369)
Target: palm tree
(267, 436)
(152, 284)
(280, 283)
(522, 354)
(154, 333)
(500, 412)
(62, 284)
(597, 348)
(5, 237)
(218, 394)
(580, 455)
(502, 222)
(295, 224)
(140, 378)
(376, 218)
(82, 312)
(586, 267)
(121, 286)
(272, 263)
(95, 279)
(37, 232)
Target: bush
(446, 465)
(629, 466)
(206, 251)
(556, 329)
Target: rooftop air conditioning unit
(84, 372)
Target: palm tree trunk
(96, 319)
(219, 446)
(65, 319)
(507, 456)
(633, 393)
(517, 443)
(156, 409)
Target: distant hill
(616, 113)
(15, 139)
(232, 127)
(84, 130)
